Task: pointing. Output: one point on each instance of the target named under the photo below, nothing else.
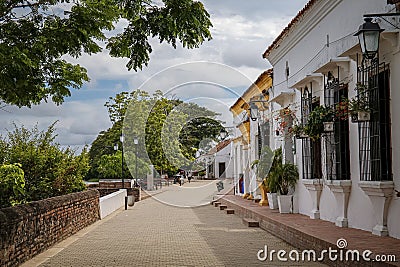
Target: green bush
(12, 185)
(49, 169)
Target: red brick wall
(29, 229)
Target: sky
(213, 75)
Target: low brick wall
(29, 229)
(131, 192)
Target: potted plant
(320, 120)
(359, 106)
(297, 131)
(270, 180)
(281, 178)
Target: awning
(343, 62)
(313, 77)
(283, 97)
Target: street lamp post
(116, 149)
(136, 142)
(121, 138)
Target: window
(375, 134)
(312, 168)
(337, 142)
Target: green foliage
(169, 131)
(272, 178)
(351, 107)
(34, 35)
(296, 130)
(49, 170)
(282, 176)
(264, 164)
(315, 123)
(110, 166)
(12, 185)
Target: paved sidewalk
(303, 232)
(155, 234)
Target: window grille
(337, 160)
(375, 135)
(311, 149)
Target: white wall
(305, 51)
(112, 202)
(224, 155)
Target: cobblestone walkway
(155, 234)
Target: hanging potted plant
(297, 131)
(320, 120)
(359, 106)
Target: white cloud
(241, 33)
(78, 122)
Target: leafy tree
(169, 130)
(34, 35)
(12, 185)
(110, 166)
(49, 170)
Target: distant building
(218, 160)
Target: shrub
(12, 184)
(49, 170)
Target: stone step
(216, 204)
(250, 222)
(222, 207)
(230, 211)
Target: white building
(350, 175)
(218, 160)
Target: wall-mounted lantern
(368, 36)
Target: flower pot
(328, 126)
(272, 200)
(285, 203)
(363, 116)
(360, 116)
(131, 201)
(301, 136)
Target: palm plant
(282, 176)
